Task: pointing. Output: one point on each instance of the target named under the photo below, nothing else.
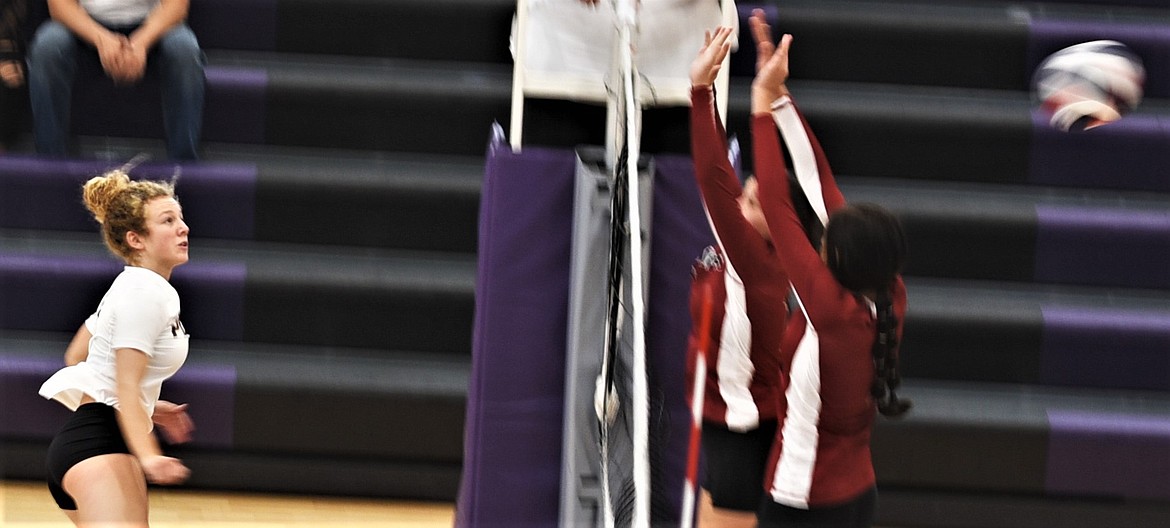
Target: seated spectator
(129, 39)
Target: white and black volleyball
(1089, 84)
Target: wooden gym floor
(27, 504)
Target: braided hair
(865, 249)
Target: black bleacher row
(359, 128)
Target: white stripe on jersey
(804, 162)
(792, 481)
(733, 366)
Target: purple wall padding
(1107, 348)
(209, 389)
(1108, 454)
(67, 290)
(234, 24)
(1108, 247)
(1127, 154)
(236, 104)
(1151, 42)
(512, 449)
(37, 193)
(212, 296)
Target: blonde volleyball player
(101, 459)
(748, 315)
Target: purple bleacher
(1108, 454)
(210, 392)
(512, 448)
(218, 198)
(1150, 41)
(236, 104)
(37, 193)
(213, 298)
(67, 290)
(1082, 245)
(208, 389)
(1127, 154)
(1103, 347)
(24, 413)
(234, 24)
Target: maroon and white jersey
(748, 283)
(821, 456)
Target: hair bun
(100, 191)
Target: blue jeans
(53, 57)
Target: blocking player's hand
(705, 68)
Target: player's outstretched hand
(771, 63)
(705, 68)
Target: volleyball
(1089, 84)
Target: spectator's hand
(133, 64)
(164, 470)
(12, 73)
(705, 68)
(111, 50)
(173, 421)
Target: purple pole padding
(1108, 454)
(208, 389)
(512, 440)
(1149, 41)
(678, 233)
(236, 104)
(512, 448)
(1106, 348)
(38, 193)
(1128, 154)
(1103, 246)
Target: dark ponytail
(885, 360)
(865, 249)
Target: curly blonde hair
(119, 205)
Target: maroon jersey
(749, 286)
(821, 456)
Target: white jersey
(139, 311)
(118, 12)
